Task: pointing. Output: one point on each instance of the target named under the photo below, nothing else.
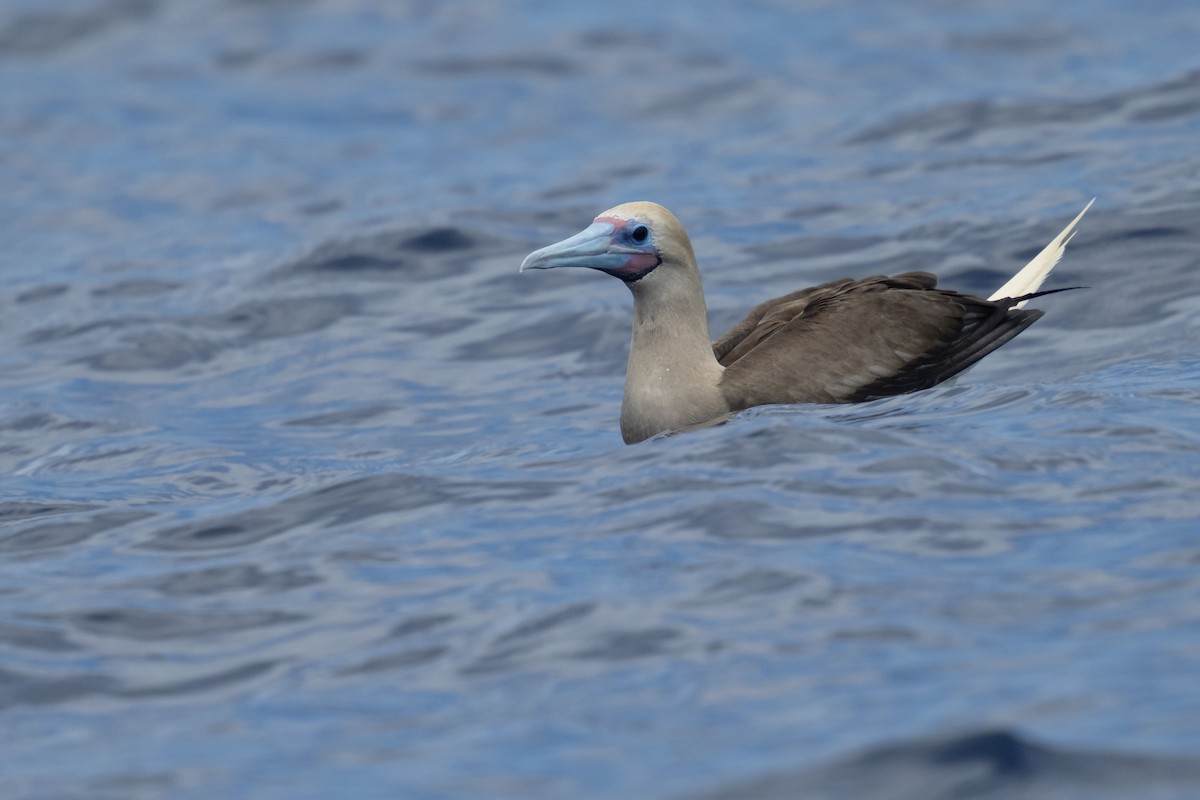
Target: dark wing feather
(986, 326)
(768, 317)
(792, 305)
(850, 341)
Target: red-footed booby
(842, 342)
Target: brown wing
(850, 341)
(769, 317)
(779, 311)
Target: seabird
(846, 341)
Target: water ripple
(305, 487)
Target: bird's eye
(640, 233)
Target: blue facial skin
(624, 249)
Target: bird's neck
(672, 380)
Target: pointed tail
(1027, 281)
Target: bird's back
(849, 341)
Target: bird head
(629, 242)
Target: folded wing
(850, 341)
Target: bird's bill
(592, 247)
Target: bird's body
(845, 341)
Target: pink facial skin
(638, 265)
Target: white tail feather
(1031, 276)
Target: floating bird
(846, 341)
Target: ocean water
(307, 493)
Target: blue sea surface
(307, 493)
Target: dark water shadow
(961, 122)
(341, 504)
(995, 764)
(43, 33)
